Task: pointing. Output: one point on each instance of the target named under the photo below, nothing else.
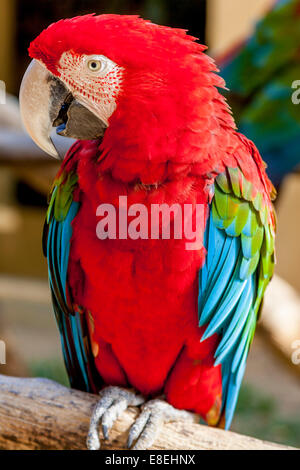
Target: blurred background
(269, 404)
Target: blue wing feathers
(226, 307)
(66, 234)
(237, 322)
(219, 279)
(70, 321)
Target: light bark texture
(41, 414)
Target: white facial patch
(94, 80)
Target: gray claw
(138, 426)
(113, 401)
(105, 430)
(147, 426)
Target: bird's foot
(153, 415)
(113, 401)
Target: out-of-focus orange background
(269, 406)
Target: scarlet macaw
(148, 313)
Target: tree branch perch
(41, 414)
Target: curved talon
(113, 401)
(148, 434)
(147, 426)
(138, 427)
(105, 430)
(112, 414)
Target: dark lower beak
(71, 118)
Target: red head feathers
(168, 110)
(130, 41)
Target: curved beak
(45, 102)
(35, 99)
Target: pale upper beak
(45, 102)
(34, 106)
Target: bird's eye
(94, 65)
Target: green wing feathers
(239, 239)
(242, 211)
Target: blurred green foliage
(52, 369)
(257, 415)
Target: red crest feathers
(125, 39)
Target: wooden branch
(280, 320)
(41, 414)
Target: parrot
(260, 73)
(146, 320)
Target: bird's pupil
(94, 65)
